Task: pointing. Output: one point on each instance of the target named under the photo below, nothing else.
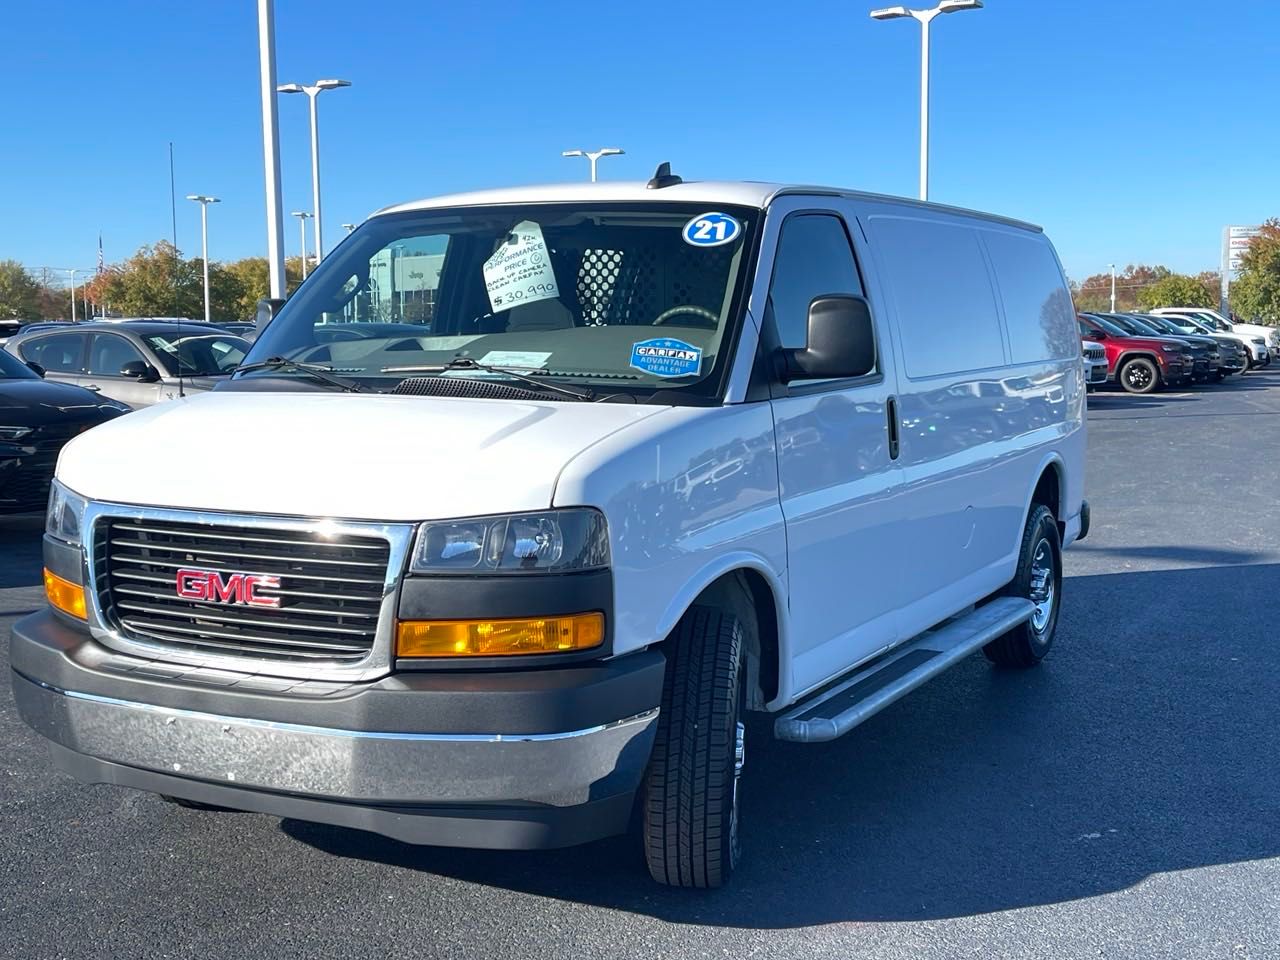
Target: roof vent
(663, 177)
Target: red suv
(1139, 364)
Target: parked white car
(1251, 334)
(667, 453)
(1094, 358)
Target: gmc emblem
(239, 588)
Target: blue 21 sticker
(711, 230)
(664, 357)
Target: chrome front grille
(1095, 353)
(330, 591)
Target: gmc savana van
(526, 497)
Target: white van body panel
(689, 495)
(341, 455)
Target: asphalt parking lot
(1119, 801)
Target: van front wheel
(1039, 579)
(691, 787)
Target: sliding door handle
(891, 413)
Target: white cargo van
(655, 456)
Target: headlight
(66, 514)
(1170, 348)
(555, 541)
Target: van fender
(713, 571)
(1050, 459)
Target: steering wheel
(702, 312)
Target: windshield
(200, 355)
(11, 368)
(639, 298)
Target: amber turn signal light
(64, 595)
(499, 638)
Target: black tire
(1026, 644)
(1139, 375)
(690, 791)
(1219, 376)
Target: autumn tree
(1256, 292)
(1094, 293)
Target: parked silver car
(135, 363)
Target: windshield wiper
(317, 372)
(466, 363)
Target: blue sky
(1132, 137)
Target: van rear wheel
(1039, 579)
(690, 792)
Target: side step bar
(839, 709)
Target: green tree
(19, 292)
(1256, 292)
(1176, 290)
(1094, 293)
(253, 277)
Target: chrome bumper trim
(377, 767)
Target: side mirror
(266, 312)
(841, 341)
(1097, 334)
(39, 370)
(141, 371)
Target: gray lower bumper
(556, 769)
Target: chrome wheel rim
(1043, 588)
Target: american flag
(100, 264)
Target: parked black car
(36, 419)
(1204, 352)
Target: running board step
(836, 711)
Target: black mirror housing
(141, 371)
(266, 312)
(841, 341)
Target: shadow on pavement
(1145, 744)
(20, 551)
(1225, 556)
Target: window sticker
(711, 230)
(516, 358)
(520, 270)
(664, 357)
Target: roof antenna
(663, 177)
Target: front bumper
(510, 760)
(1095, 372)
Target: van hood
(345, 456)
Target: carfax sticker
(520, 270)
(664, 357)
(711, 230)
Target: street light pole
(73, 294)
(271, 147)
(594, 156)
(204, 242)
(1113, 287)
(925, 18)
(303, 217)
(312, 91)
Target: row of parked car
(1172, 346)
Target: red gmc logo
(239, 588)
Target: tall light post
(594, 156)
(1113, 287)
(271, 147)
(312, 91)
(73, 273)
(204, 242)
(303, 217)
(925, 17)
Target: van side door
(838, 480)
